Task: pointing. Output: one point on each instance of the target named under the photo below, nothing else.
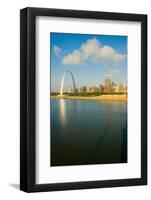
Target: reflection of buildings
(63, 114)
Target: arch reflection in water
(88, 132)
(63, 111)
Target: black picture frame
(28, 99)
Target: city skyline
(91, 58)
(107, 87)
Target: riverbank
(120, 97)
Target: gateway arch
(62, 82)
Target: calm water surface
(88, 132)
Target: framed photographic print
(83, 95)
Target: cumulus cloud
(93, 50)
(74, 58)
(57, 50)
(90, 48)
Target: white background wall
(9, 98)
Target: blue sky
(89, 57)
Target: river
(88, 132)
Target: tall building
(100, 88)
(92, 89)
(116, 88)
(107, 85)
(119, 88)
(125, 88)
(82, 89)
(70, 90)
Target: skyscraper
(107, 85)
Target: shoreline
(120, 97)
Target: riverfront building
(82, 89)
(92, 89)
(107, 87)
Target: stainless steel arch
(62, 82)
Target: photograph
(88, 99)
(83, 99)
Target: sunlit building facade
(107, 85)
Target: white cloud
(108, 53)
(90, 48)
(93, 50)
(57, 50)
(74, 58)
